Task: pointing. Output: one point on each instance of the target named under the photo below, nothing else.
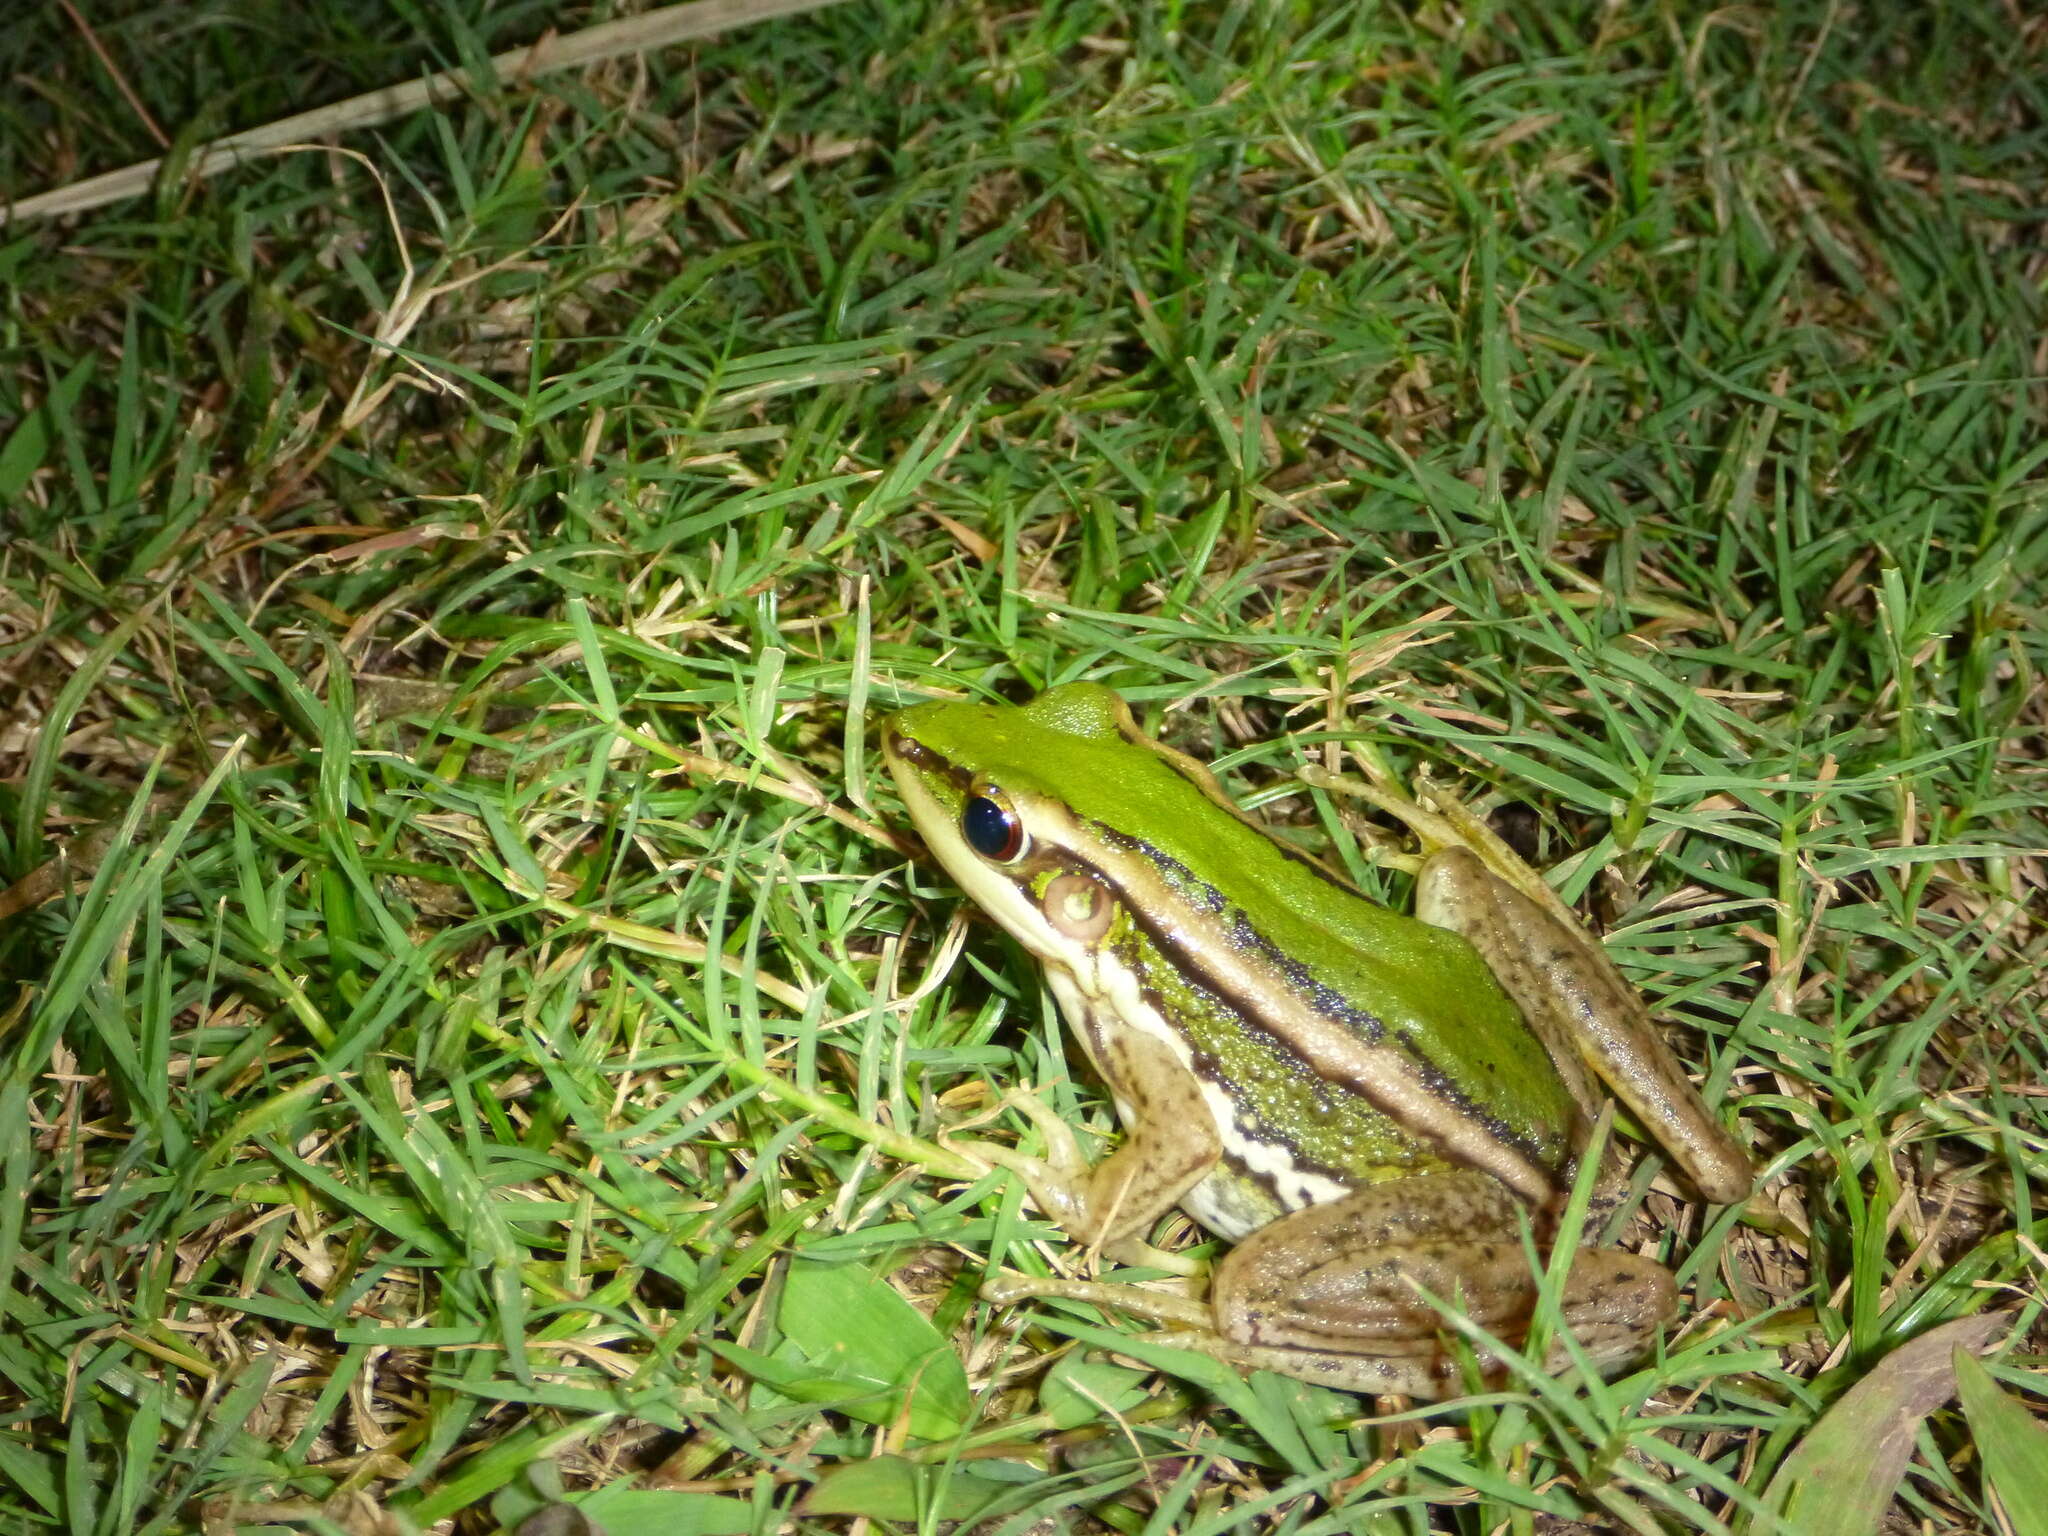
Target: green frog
(1367, 1105)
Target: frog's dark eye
(991, 829)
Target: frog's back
(1383, 978)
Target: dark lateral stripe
(925, 760)
(1289, 977)
(1246, 939)
(1354, 1053)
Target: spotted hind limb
(1430, 1372)
(1343, 1290)
(1341, 1293)
(1593, 1024)
(1191, 1325)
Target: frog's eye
(991, 829)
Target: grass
(484, 1041)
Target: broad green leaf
(2012, 1443)
(1839, 1480)
(890, 1488)
(858, 1329)
(1079, 1391)
(622, 1510)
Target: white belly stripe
(1086, 980)
(1117, 992)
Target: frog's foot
(1426, 1371)
(1438, 821)
(1161, 1306)
(1087, 1201)
(1058, 1180)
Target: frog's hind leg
(1339, 1288)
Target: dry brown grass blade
(635, 34)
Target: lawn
(478, 1033)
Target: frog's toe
(1063, 1153)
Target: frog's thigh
(1170, 1141)
(1341, 1278)
(1527, 950)
(1588, 1018)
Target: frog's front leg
(1170, 1144)
(1333, 1293)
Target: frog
(1378, 1112)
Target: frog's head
(1012, 798)
(940, 752)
